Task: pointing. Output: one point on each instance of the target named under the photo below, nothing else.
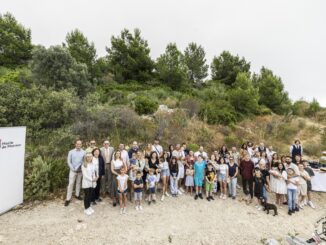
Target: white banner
(12, 158)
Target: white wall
(12, 158)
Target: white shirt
(125, 157)
(88, 175)
(223, 168)
(158, 149)
(293, 186)
(117, 164)
(122, 180)
(96, 165)
(197, 153)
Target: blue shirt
(199, 169)
(75, 159)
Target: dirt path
(176, 221)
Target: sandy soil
(179, 220)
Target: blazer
(111, 151)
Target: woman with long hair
(116, 165)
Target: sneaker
(179, 192)
(162, 198)
(311, 204)
(167, 194)
(200, 196)
(208, 199)
(124, 211)
(137, 208)
(140, 208)
(87, 212)
(91, 210)
(301, 205)
(196, 197)
(230, 195)
(296, 209)
(224, 197)
(259, 208)
(212, 198)
(221, 196)
(121, 210)
(305, 203)
(182, 190)
(285, 203)
(289, 212)
(79, 198)
(67, 203)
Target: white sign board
(12, 158)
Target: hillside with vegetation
(67, 91)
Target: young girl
(165, 174)
(279, 176)
(122, 180)
(174, 169)
(258, 187)
(223, 176)
(88, 182)
(199, 168)
(189, 179)
(303, 178)
(181, 173)
(116, 165)
(151, 181)
(292, 186)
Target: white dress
(278, 184)
(181, 172)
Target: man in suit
(107, 154)
(296, 150)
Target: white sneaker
(311, 204)
(140, 208)
(305, 203)
(137, 208)
(224, 197)
(259, 208)
(92, 210)
(167, 194)
(182, 190)
(162, 198)
(87, 212)
(121, 210)
(179, 192)
(124, 211)
(221, 196)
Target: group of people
(134, 173)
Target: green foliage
(244, 97)
(15, 42)
(217, 112)
(171, 68)
(37, 181)
(271, 91)
(300, 107)
(226, 67)
(194, 57)
(81, 50)
(314, 107)
(58, 173)
(193, 147)
(56, 68)
(145, 105)
(129, 57)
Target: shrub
(191, 106)
(218, 112)
(37, 181)
(145, 105)
(312, 149)
(193, 147)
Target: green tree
(129, 57)
(271, 91)
(81, 49)
(226, 67)
(15, 42)
(314, 107)
(194, 56)
(56, 68)
(244, 97)
(171, 68)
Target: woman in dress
(279, 185)
(116, 165)
(165, 174)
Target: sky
(286, 36)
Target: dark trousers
(248, 183)
(97, 190)
(87, 197)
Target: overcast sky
(288, 37)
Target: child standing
(88, 182)
(258, 187)
(292, 186)
(151, 183)
(189, 179)
(174, 170)
(165, 174)
(223, 176)
(309, 187)
(199, 168)
(138, 190)
(209, 179)
(122, 180)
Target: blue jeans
(233, 187)
(265, 194)
(292, 195)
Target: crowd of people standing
(135, 173)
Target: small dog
(268, 206)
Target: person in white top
(157, 147)
(116, 165)
(88, 182)
(292, 186)
(124, 155)
(122, 189)
(201, 152)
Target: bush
(312, 149)
(145, 105)
(191, 106)
(193, 147)
(37, 181)
(218, 112)
(58, 173)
